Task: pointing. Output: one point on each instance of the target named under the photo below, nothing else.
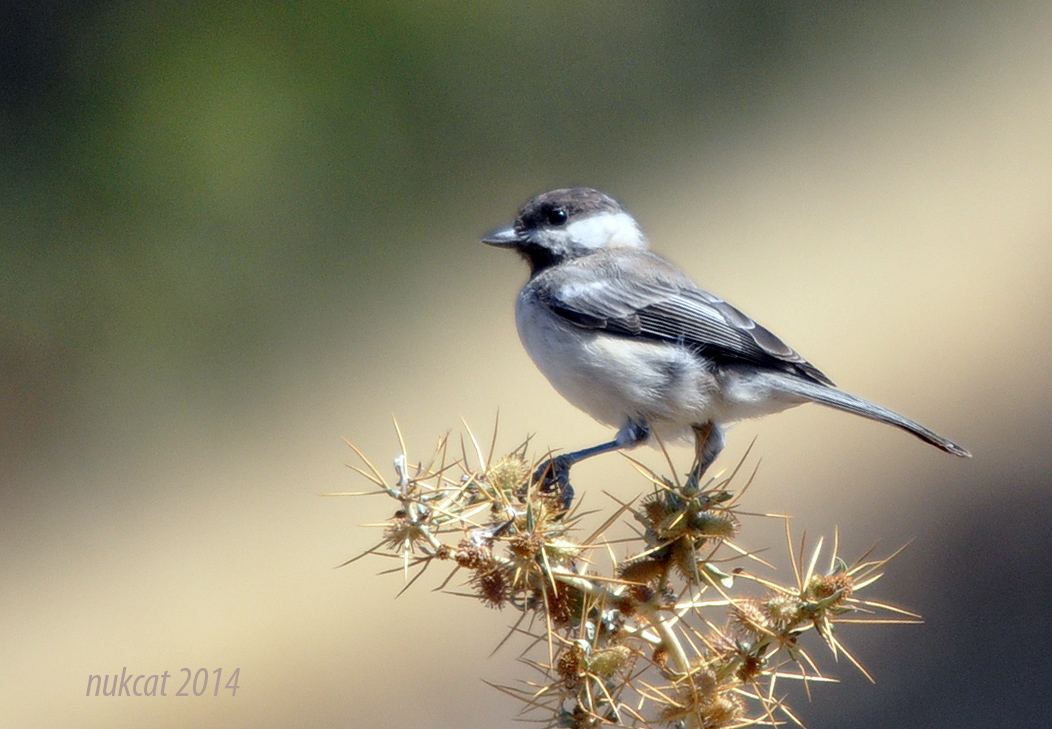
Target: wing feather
(640, 294)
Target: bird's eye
(556, 216)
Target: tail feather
(834, 398)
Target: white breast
(615, 379)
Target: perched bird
(630, 339)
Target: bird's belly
(615, 379)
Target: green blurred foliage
(182, 183)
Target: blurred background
(233, 234)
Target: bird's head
(561, 225)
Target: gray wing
(639, 294)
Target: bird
(629, 338)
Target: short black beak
(503, 238)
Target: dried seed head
(563, 605)
(705, 683)
(474, 556)
(783, 611)
(627, 602)
(492, 587)
(749, 619)
(725, 709)
(562, 550)
(685, 557)
(538, 516)
(570, 666)
(657, 508)
(398, 530)
(509, 474)
(648, 570)
(700, 703)
(660, 657)
(722, 646)
(750, 668)
(606, 663)
(822, 587)
(718, 525)
(526, 546)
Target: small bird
(630, 339)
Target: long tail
(834, 398)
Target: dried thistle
(636, 644)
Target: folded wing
(640, 294)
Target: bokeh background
(233, 234)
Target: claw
(555, 472)
(554, 476)
(708, 443)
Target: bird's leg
(555, 472)
(708, 442)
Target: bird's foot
(553, 477)
(707, 445)
(693, 484)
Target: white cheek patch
(606, 230)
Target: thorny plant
(638, 646)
